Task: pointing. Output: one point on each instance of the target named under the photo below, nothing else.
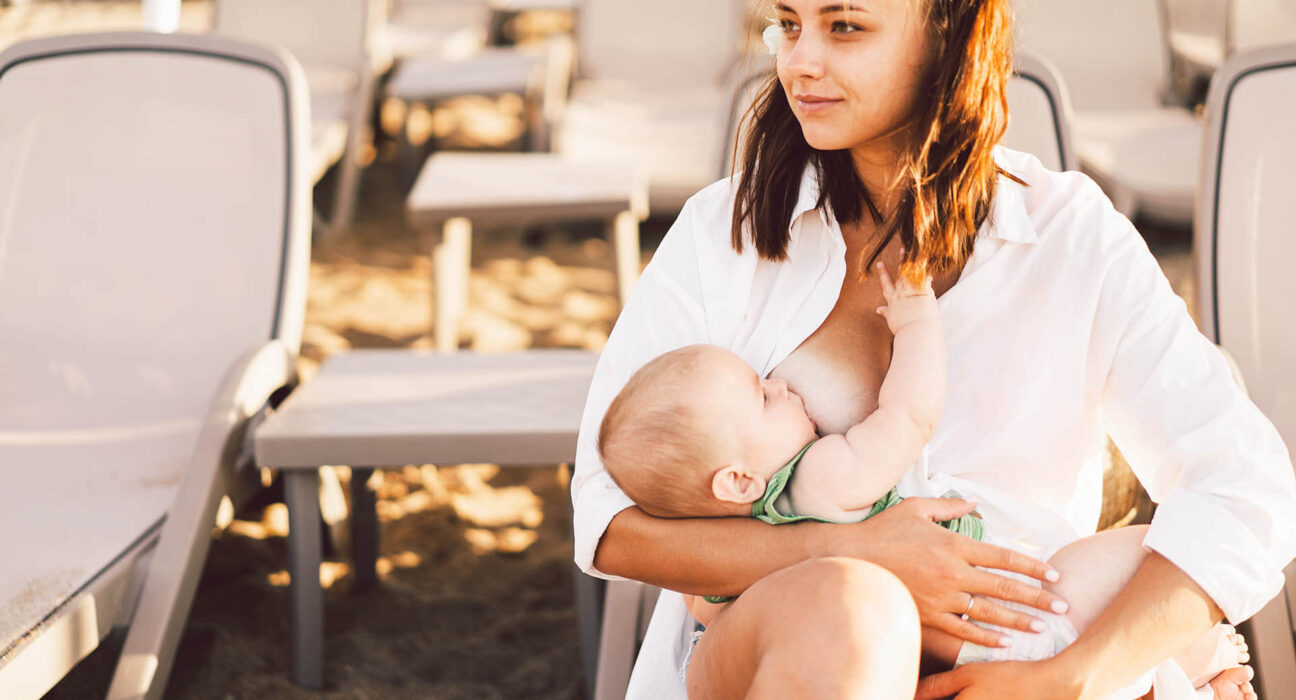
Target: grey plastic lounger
(1041, 126)
(1244, 243)
(154, 233)
(331, 40)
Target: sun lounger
(154, 234)
(331, 40)
(1196, 42)
(1255, 24)
(1244, 246)
(1144, 154)
(658, 96)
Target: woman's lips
(811, 104)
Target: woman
(879, 135)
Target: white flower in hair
(773, 36)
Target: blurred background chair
(658, 96)
(1142, 152)
(1040, 125)
(331, 41)
(1257, 24)
(153, 249)
(1245, 243)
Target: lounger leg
(349, 167)
(301, 491)
(625, 243)
(589, 608)
(1271, 643)
(364, 529)
(451, 256)
(617, 647)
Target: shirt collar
(1008, 220)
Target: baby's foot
(1235, 683)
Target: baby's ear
(733, 484)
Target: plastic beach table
(456, 190)
(375, 409)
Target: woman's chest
(839, 369)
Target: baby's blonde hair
(656, 446)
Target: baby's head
(696, 432)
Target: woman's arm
(1216, 467)
(1161, 608)
(724, 556)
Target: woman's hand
(998, 680)
(940, 567)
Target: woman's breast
(838, 371)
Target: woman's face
(852, 69)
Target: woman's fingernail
(1037, 625)
(1052, 575)
(1004, 641)
(1060, 607)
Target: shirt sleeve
(1215, 465)
(664, 312)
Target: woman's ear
(733, 484)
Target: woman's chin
(824, 139)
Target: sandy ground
(476, 599)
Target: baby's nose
(780, 386)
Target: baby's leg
(1093, 570)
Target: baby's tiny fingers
(888, 286)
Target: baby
(697, 433)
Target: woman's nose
(805, 58)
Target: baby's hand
(906, 303)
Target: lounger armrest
(251, 385)
(1233, 365)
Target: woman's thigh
(830, 627)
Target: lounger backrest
(662, 43)
(1256, 24)
(1246, 227)
(153, 228)
(1039, 114)
(1110, 51)
(1245, 241)
(321, 34)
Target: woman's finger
(987, 583)
(968, 632)
(994, 557)
(986, 610)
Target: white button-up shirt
(1061, 330)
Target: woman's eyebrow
(826, 10)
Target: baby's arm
(851, 471)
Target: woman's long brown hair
(947, 176)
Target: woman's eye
(788, 26)
(846, 28)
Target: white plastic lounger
(1039, 124)
(658, 96)
(331, 40)
(1143, 153)
(154, 233)
(1245, 243)
(1196, 43)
